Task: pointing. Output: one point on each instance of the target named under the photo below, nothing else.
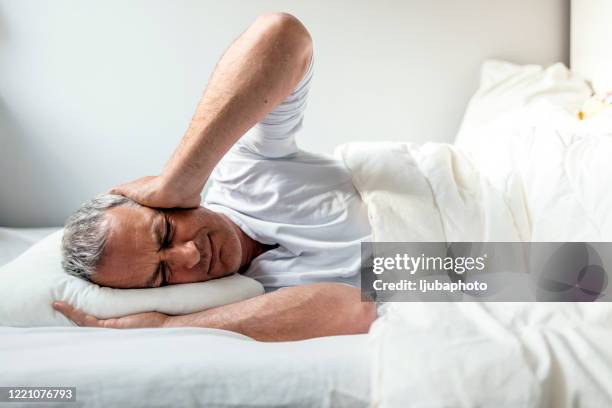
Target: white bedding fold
(430, 193)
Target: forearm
(295, 313)
(257, 72)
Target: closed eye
(168, 232)
(163, 270)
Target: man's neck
(251, 248)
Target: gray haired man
(288, 218)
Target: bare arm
(290, 314)
(257, 72)
(295, 313)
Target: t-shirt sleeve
(274, 136)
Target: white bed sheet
(186, 367)
(179, 367)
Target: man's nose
(184, 255)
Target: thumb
(59, 306)
(126, 191)
(115, 190)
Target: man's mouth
(205, 247)
(213, 259)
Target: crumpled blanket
(503, 183)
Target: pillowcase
(30, 283)
(507, 88)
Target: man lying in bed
(287, 218)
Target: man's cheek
(230, 255)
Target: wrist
(181, 182)
(168, 180)
(167, 322)
(178, 192)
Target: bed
(179, 367)
(415, 355)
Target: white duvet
(503, 183)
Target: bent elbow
(365, 316)
(287, 31)
(282, 22)
(341, 310)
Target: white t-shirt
(303, 202)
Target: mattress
(179, 367)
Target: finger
(68, 311)
(63, 308)
(123, 188)
(77, 316)
(131, 192)
(110, 323)
(118, 190)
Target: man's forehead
(132, 218)
(129, 254)
(143, 228)
(134, 230)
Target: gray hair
(86, 233)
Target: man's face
(150, 248)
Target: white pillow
(507, 88)
(30, 283)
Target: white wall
(591, 32)
(93, 93)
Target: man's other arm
(295, 313)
